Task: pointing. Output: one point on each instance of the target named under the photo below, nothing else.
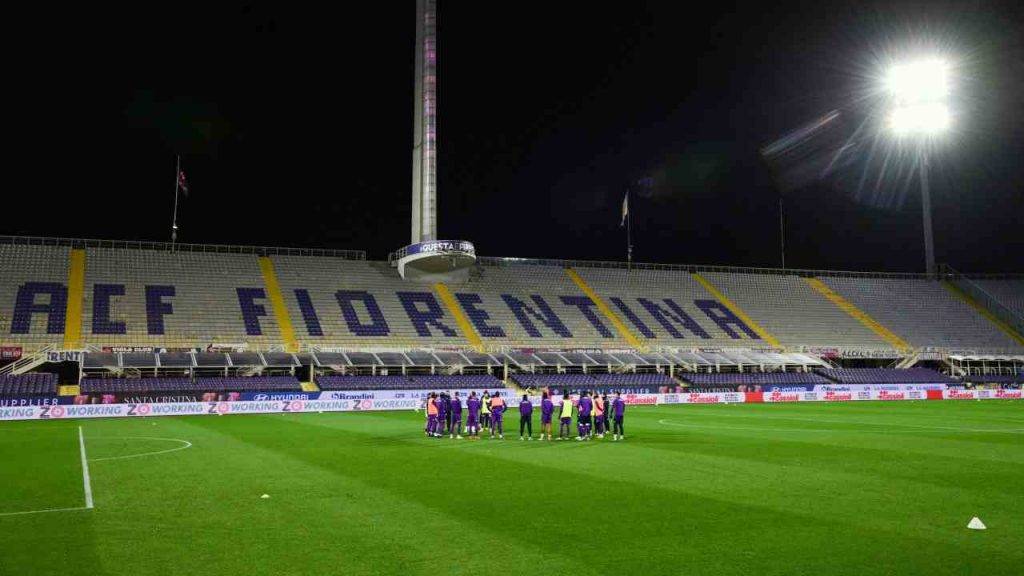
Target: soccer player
(455, 430)
(598, 416)
(446, 401)
(618, 411)
(442, 411)
(606, 420)
(432, 415)
(546, 409)
(497, 415)
(565, 417)
(526, 417)
(583, 415)
(485, 410)
(473, 416)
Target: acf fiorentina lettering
(363, 316)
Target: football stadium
(210, 408)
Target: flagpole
(629, 233)
(174, 220)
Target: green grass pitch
(859, 488)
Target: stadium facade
(318, 307)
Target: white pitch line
(892, 428)
(186, 443)
(41, 511)
(86, 483)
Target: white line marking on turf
(41, 511)
(86, 484)
(186, 445)
(891, 427)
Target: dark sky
(294, 125)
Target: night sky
(295, 128)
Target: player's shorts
(567, 420)
(545, 419)
(471, 421)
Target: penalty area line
(42, 511)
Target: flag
(625, 209)
(182, 183)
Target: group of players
(596, 416)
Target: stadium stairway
(277, 304)
(602, 307)
(736, 310)
(76, 292)
(983, 311)
(858, 314)
(309, 387)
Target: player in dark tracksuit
(618, 413)
(473, 416)
(447, 398)
(583, 416)
(442, 412)
(455, 430)
(547, 408)
(485, 411)
(526, 417)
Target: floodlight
(919, 119)
(921, 81)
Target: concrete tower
(424, 152)
(426, 258)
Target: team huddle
(444, 416)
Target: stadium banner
(981, 394)
(844, 396)
(10, 352)
(883, 354)
(705, 398)
(18, 411)
(822, 388)
(65, 356)
(381, 395)
(441, 247)
(34, 401)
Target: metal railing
(619, 265)
(983, 297)
(181, 247)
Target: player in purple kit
(473, 416)
(618, 412)
(432, 415)
(455, 431)
(497, 414)
(442, 413)
(526, 417)
(547, 407)
(583, 416)
(565, 416)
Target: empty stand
(36, 275)
(885, 376)
(417, 382)
(175, 299)
(626, 383)
(668, 308)
(229, 384)
(754, 379)
(922, 312)
(793, 312)
(32, 384)
(1008, 292)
